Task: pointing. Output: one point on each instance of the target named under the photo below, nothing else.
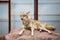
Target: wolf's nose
(21, 18)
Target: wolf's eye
(26, 16)
(20, 15)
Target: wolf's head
(24, 15)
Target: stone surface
(37, 35)
(2, 37)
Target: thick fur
(31, 24)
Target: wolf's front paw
(49, 32)
(32, 34)
(40, 30)
(20, 33)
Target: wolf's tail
(52, 28)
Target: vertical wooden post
(9, 13)
(9, 16)
(36, 9)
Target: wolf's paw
(32, 34)
(40, 30)
(49, 32)
(20, 34)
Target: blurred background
(48, 12)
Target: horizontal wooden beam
(3, 20)
(22, 3)
(48, 3)
(32, 3)
(40, 20)
(48, 14)
(38, 14)
(6, 20)
(4, 1)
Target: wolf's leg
(32, 31)
(32, 28)
(47, 30)
(40, 30)
(21, 32)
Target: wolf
(29, 24)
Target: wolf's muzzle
(21, 18)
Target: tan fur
(31, 24)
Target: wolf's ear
(28, 12)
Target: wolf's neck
(25, 22)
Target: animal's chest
(26, 23)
